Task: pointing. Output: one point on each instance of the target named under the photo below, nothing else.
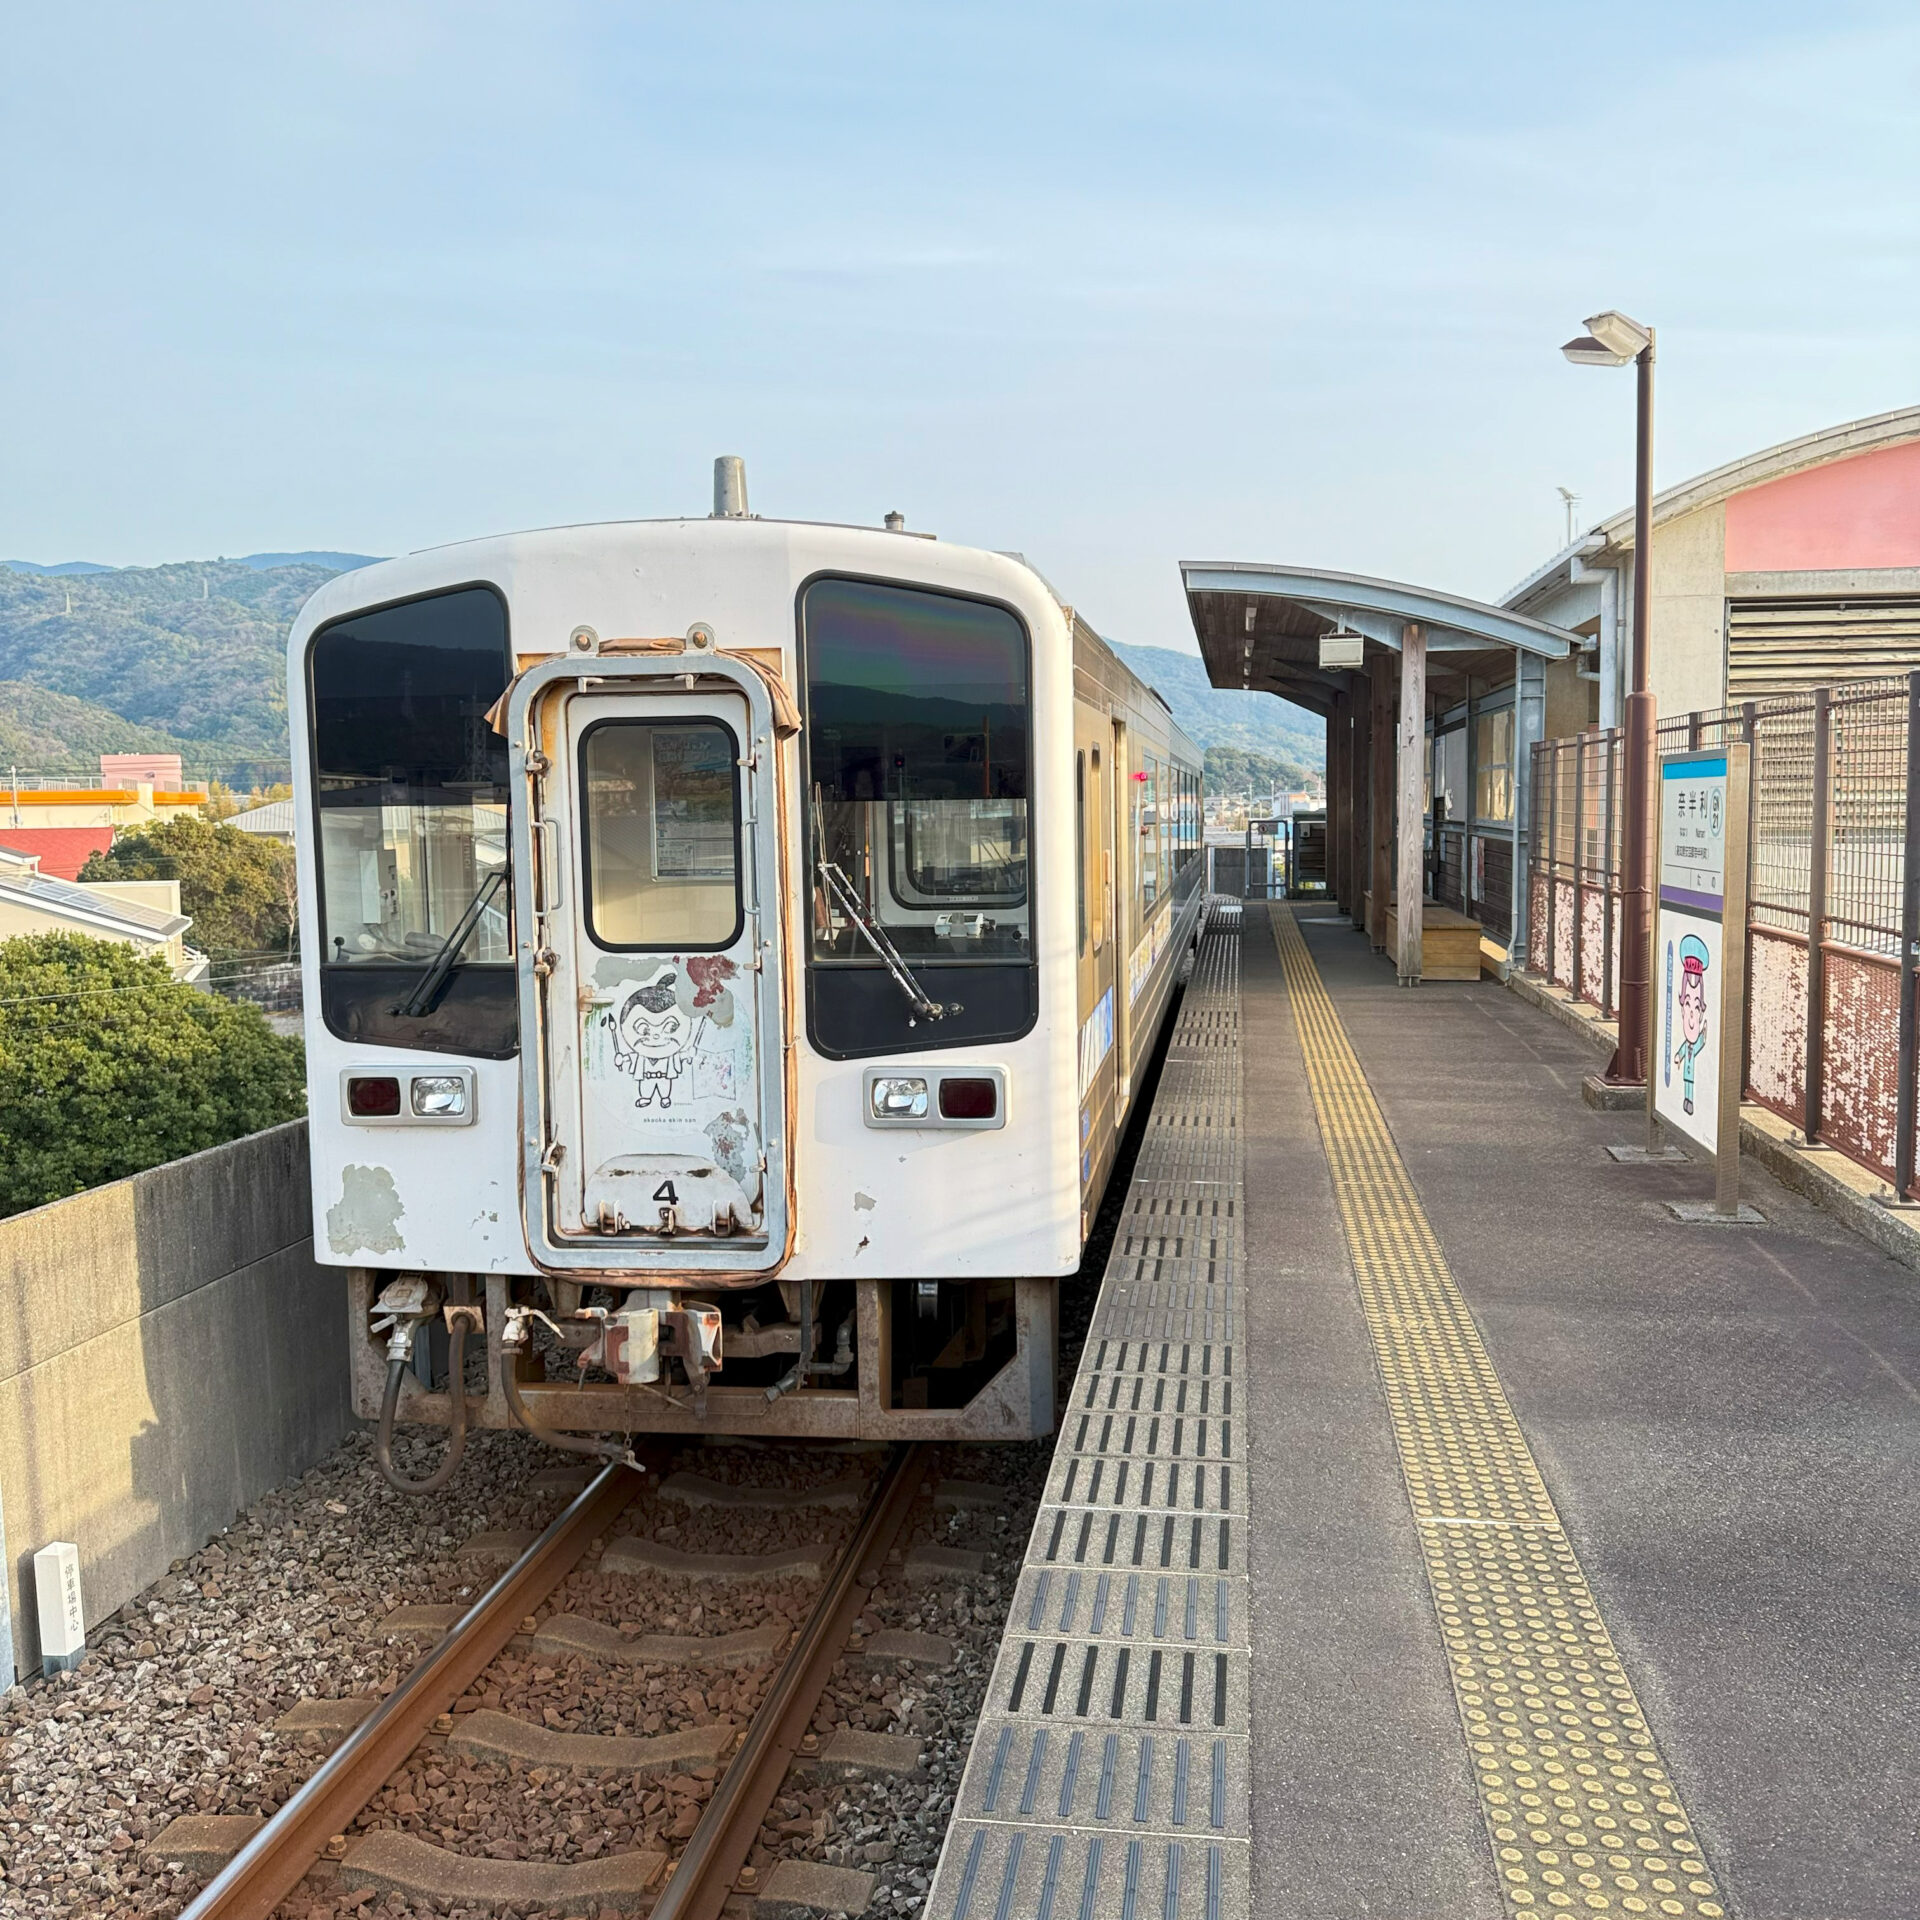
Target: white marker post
(63, 1621)
(1700, 953)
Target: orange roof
(94, 797)
(70, 797)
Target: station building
(1782, 570)
(1792, 567)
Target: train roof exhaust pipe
(730, 488)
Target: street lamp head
(1611, 340)
(1586, 351)
(1626, 337)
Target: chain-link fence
(1835, 832)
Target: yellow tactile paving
(1579, 1807)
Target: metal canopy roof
(1259, 626)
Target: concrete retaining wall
(168, 1353)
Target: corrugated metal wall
(1789, 646)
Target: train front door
(647, 877)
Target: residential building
(138, 913)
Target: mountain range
(190, 658)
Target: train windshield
(917, 720)
(411, 788)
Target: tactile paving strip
(1580, 1808)
(1109, 1773)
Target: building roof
(90, 910)
(1871, 435)
(1260, 626)
(61, 851)
(275, 817)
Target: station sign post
(1698, 1013)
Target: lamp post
(1611, 340)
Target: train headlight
(439, 1096)
(899, 1097)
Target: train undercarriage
(885, 1359)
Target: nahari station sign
(1700, 950)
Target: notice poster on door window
(692, 803)
(1689, 981)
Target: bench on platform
(1449, 942)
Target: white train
(731, 948)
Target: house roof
(275, 817)
(89, 910)
(61, 851)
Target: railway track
(692, 1886)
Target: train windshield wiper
(426, 996)
(847, 899)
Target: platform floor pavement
(1724, 1421)
(1108, 1776)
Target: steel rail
(277, 1858)
(717, 1849)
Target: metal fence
(269, 981)
(1833, 923)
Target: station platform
(1438, 1527)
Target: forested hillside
(1257, 723)
(187, 658)
(191, 658)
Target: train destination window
(410, 786)
(662, 833)
(917, 818)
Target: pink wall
(128, 769)
(1863, 512)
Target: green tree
(1239, 770)
(239, 887)
(108, 1065)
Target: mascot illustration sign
(1688, 965)
(667, 1059)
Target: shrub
(108, 1065)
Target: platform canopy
(1260, 627)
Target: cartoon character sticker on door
(669, 1068)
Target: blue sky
(1113, 285)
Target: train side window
(1146, 830)
(1080, 843)
(1102, 880)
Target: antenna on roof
(1570, 501)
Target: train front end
(679, 911)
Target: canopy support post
(1410, 769)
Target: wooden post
(1359, 823)
(1341, 723)
(1380, 837)
(1410, 767)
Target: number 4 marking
(664, 1191)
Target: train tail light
(373, 1096)
(968, 1099)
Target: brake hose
(570, 1442)
(456, 1425)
